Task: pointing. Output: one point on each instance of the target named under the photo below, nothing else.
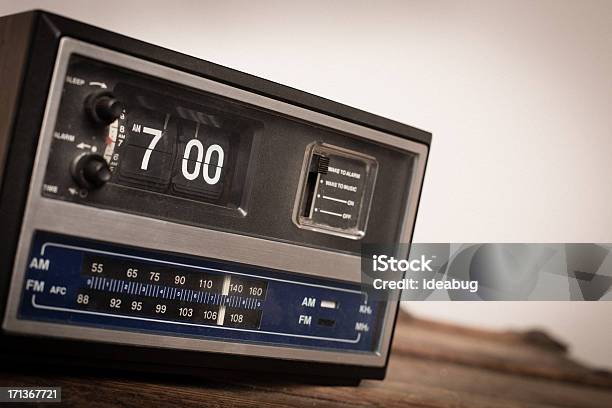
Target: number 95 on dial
(147, 307)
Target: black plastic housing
(28, 46)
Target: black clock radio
(160, 212)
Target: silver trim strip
(82, 221)
(97, 251)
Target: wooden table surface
(432, 365)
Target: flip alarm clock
(164, 213)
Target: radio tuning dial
(103, 108)
(90, 171)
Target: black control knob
(103, 108)
(90, 171)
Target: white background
(518, 95)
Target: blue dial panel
(88, 283)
